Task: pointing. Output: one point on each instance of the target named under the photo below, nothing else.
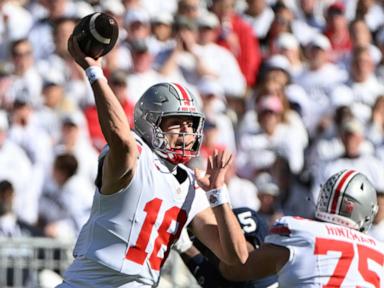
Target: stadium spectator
(41, 33)
(236, 35)
(318, 78)
(141, 75)
(189, 9)
(311, 13)
(215, 57)
(15, 23)
(354, 157)
(59, 67)
(268, 194)
(285, 22)
(25, 131)
(363, 82)
(242, 192)
(208, 146)
(10, 225)
(161, 37)
(288, 46)
(18, 171)
(214, 107)
(183, 62)
(55, 104)
(260, 16)
(65, 205)
(26, 82)
(371, 12)
(336, 29)
(362, 37)
(75, 140)
(260, 147)
(137, 24)
(156, 7)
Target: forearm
(113, 121)
(232, 241)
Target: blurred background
(294, 88)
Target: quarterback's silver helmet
(165, 100)
(349, 199)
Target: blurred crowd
(293, 88)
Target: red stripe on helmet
(184, 93)
(337, 192)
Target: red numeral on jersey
(364, 253)
(137, 253)
(323, 246)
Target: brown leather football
(98, 33)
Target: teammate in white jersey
(331, 252)
(145, 194)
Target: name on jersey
(350, 234)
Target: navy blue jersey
(255, 229)
(254, 226)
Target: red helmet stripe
(184, 94)
(338, 190)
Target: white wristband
(218, 197)
(94, 73)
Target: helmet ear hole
(159, 141)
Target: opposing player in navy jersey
(204, 265)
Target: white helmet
(165, 100)
(349, 199)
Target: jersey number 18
(137, 252)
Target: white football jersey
(129, 234)
(327, 255)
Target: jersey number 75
(347, 250)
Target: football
(98, 33)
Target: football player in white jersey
(145, 194)
(334, 251)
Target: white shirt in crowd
(215, 58)
(317, 84)
(261, 23)
(369, 165)
(17, 168)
